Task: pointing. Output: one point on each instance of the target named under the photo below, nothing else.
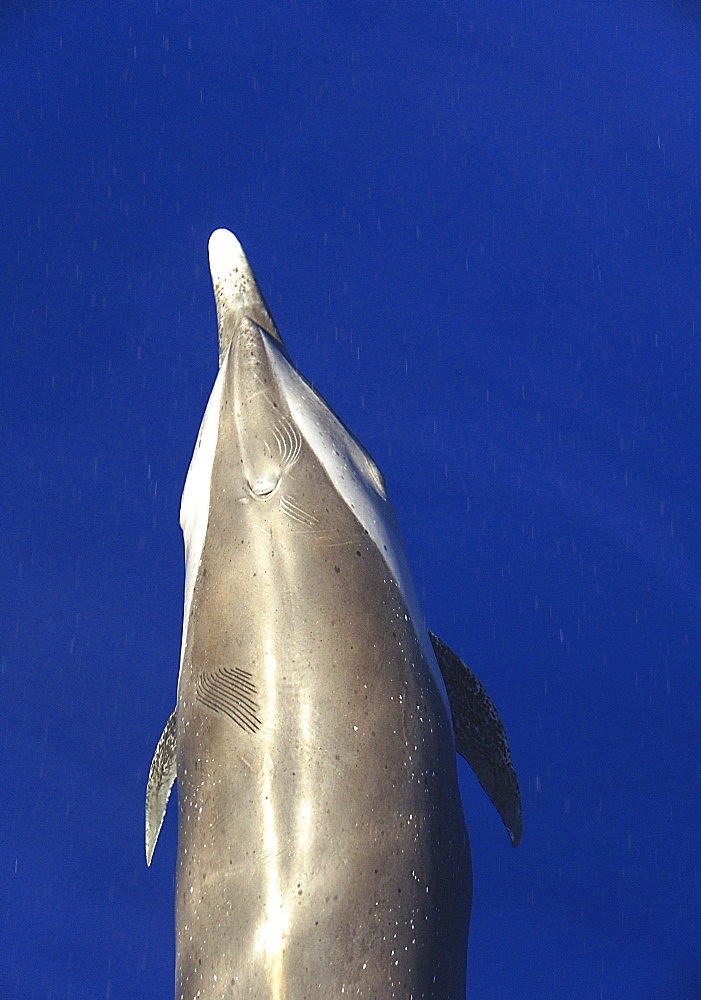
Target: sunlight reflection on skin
(273, 927)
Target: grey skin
(322, 848)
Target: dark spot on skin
(337, 568)
(358, 552)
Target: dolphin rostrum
(322, 848)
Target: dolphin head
(278, 437)
(273, 419)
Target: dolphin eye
(264, 487)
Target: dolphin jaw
(194, 504)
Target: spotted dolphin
(322, 847)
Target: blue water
(477, 225)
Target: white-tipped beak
(225, 255)
(235, 290)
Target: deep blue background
(477, 225)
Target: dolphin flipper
(161, 779)
(480, 737)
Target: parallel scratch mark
(297, 513)
(232, 692)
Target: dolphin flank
(322, 847)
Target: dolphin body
(322, 847)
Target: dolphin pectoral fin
(161, 779)
(480, 737)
